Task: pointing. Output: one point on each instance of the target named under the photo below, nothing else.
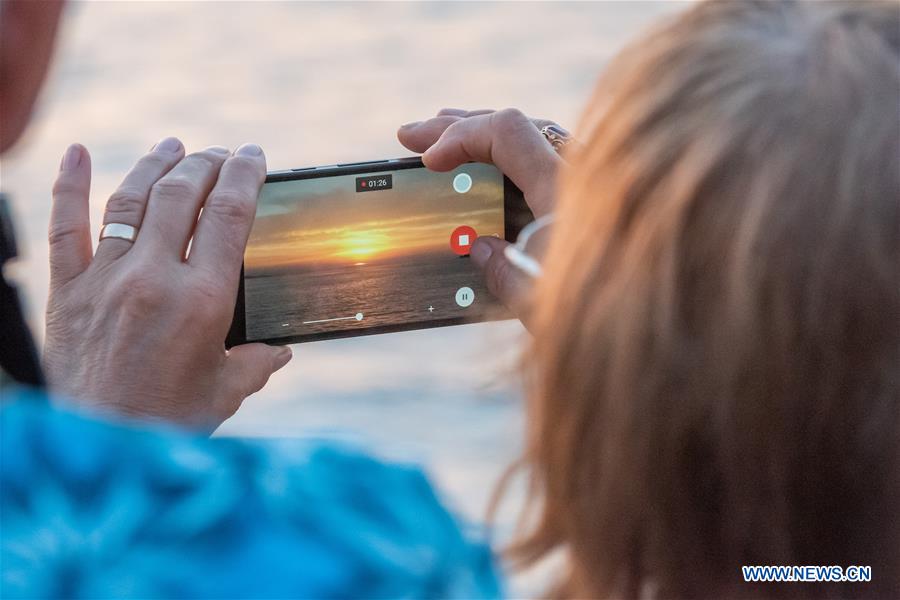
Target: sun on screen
(359, 246)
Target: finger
(228, 215)
(461, 112)
(128, 203)
(507, 139)
(247, 369)
(506, 282)
(175, 201)
(419, 136)
(70, 225)
(452, 112)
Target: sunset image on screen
(321, 253)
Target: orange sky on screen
(361, 241)
(333, 224)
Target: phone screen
(350, 254)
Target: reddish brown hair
(716, 357)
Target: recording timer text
(372, 183)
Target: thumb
(248, 368)
(506, 282)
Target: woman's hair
(715, 373)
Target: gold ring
(120, 231)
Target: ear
(28, 30)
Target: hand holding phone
(134, 328)
(511, 141)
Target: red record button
(462, 238)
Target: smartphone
(373, 247)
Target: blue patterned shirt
(90, 509)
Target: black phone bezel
(516, 216)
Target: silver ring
(556, 136)
(120, 231)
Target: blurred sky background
(314, 84)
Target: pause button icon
(465, 296)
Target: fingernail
(218, 150)
(248, 150)
(72, 158)
(481, 252)
(283, 356)
(169, 144)
(410, 124)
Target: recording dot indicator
(462, 183)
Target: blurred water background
(321, 83)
